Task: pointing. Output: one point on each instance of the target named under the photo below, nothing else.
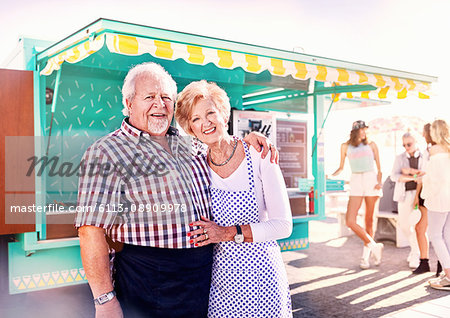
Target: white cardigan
(274, 209)
(436, 183)
(401, 161)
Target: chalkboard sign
(291, 143)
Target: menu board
(291, 143)
(244, 122)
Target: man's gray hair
(408, 135)
(151, 69)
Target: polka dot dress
(248, 279)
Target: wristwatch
(239, 237)
(104, 298)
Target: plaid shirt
(139, 192)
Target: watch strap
(239, 237)
(104, 298)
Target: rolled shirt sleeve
(98, 190)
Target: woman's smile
(209, 131)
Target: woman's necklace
(226, 161)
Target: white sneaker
(377, 252)
(435, 280)
(442, 283)
(364, 263)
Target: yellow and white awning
(74, 55)
(198, 55)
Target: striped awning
(225, 59)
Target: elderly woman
(250, 212)
(436, 193)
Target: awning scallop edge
(198, 55)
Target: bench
(400, 239)
(337, 204)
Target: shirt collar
(135, 134)
(416, 154)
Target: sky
(402, 34)
(407, 35)
(399, 34)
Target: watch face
(239, 238)
(103, 298)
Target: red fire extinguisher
(311, 200)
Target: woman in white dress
(250, 212)
(436, 193)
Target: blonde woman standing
(436, 193)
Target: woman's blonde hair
(440, 133)
(194, 92)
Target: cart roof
(129, 39)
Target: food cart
(73, 89)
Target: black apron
(162, 282)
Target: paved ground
(325, 281)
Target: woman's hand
(379, 185)
(412, 172)
(406, 171)
(258, 140)
(420, 173)
(416, 201)
(338, 171)
(214, 233)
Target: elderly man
(407, 168)
(144, 187)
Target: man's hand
(258, 141)
(111, 309)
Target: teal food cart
(76, 85)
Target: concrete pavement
(326, 280)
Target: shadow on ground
(326, 280)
